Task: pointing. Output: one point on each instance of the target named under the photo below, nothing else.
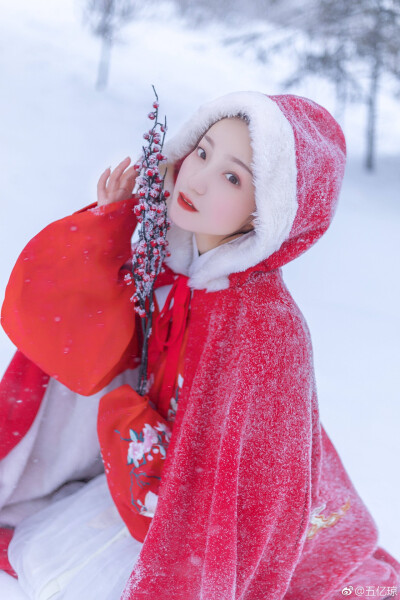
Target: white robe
(77, 547)
(69, 540)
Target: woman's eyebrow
(232, 158)
(239, 162)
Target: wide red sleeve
(67, 306)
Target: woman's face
(216, 179)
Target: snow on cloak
(254, 502)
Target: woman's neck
(205, 242)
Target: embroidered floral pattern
(173, 405)
(143, 447)
(319, 521)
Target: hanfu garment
(79, 546)
(246, 497)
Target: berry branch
(150, 251)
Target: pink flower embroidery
(162, 427)
(145, 446)
(148, 441)
(135, 451)
(150, 437)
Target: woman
(254, 502)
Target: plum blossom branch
(149, 252)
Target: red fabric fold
(22, 388)
(6, 535)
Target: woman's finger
(128, 179)
(101, 184)
(113, 182)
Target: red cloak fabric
(254, 501)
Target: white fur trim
(275, 174)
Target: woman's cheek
(224, 215)
(173, 210)
(169, 204)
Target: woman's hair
(243, 116)
(239, 115)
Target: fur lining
(274, 169)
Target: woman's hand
(120, 183)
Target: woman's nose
(198, 182)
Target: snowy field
(58, 134)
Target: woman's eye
(232, 178)
(201, 152)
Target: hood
(299, 155)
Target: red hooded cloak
(254, 501)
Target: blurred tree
(354, 44)
(226, 11)
(105, 18)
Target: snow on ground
(58, 134)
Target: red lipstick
(186, 203)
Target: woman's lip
(184, 202)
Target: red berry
(149, 172)
(151, 116)
(155, 105)
(166, 194)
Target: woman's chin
(183, 226)
(178, 219)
